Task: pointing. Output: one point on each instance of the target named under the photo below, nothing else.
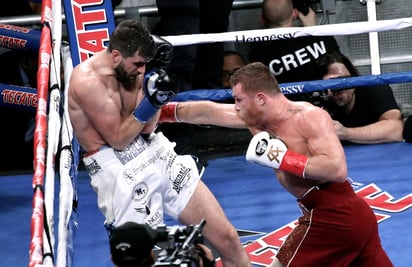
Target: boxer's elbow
(340, 172)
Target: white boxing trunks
(140, 182)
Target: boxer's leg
(218, 230)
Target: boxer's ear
(116, 57)
(261, 99)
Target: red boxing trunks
(337, 229)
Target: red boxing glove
(168, 113)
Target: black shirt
(370, 103)
(292, 60)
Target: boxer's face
(127, 69)
(133, 66)
(245, 106)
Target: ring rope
(10, 92)
(19, 38)
(305, 86)
(36, 251)
(40, 133)
(349, 28)
(53, 134)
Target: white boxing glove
(273, 152)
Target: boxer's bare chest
(127, 100)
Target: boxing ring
(253, 200)
(259, 208)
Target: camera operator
(132, 244)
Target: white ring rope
(290, 32)
(53, 131)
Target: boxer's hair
(255, 77)
(131, 36)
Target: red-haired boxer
(297, 140)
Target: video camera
(317, 98)
(180, 246)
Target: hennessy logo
(273, 153)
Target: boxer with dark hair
(113, 105)
(298, 141)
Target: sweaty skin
(106, 118)
(328, 230)
(104, 92)
(305, 129)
